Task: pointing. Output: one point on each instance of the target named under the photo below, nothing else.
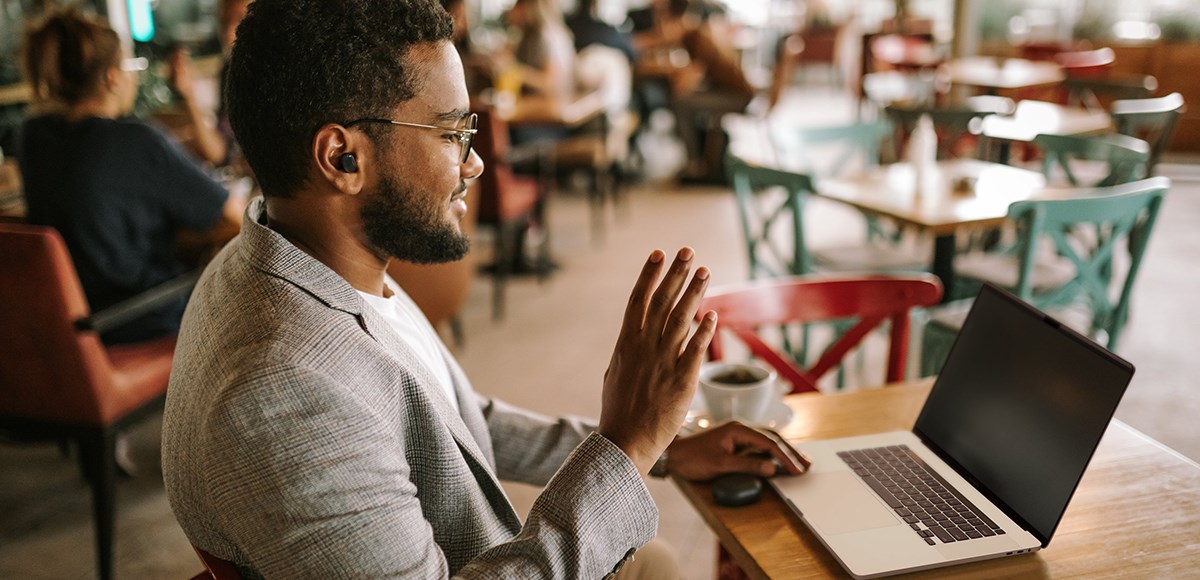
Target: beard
(399, 226)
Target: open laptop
(993, 459)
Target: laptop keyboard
(919, 495)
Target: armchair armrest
(128, 310)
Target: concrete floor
(550, 354)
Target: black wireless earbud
(348, 163)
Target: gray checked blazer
(302, 438)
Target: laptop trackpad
(838, 502)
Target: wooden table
(936, 208)
(991, 74)
(1033, 118)
(15, 94)
(539, 110)
(1136, 512)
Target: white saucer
(778, 416)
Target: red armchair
(57, 381)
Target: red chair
(508, 203)
(216, 568)
(57, 381)
(742, 310)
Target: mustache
(460, 190)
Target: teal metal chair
(833, 151)
(1152, 120)
(839, 151)
(771, 210)
(1124, 156)
(953, 126)
(1093, 92)
(1082, 275)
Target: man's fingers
(680, 321)
(751, 464)
(773, 444)
(635, 311)
(664, 297)
(693, 354)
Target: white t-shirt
(410, 323)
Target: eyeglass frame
(464, 136)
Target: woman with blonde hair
(118, 190)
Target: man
(315, 426)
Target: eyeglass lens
(465, 143)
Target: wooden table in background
(890, 191)
(537, 110)
(992, 74)
(15, 94)
(1033, 118)
(1136, 512)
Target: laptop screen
(1020, 407)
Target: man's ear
(340, 156)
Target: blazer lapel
(275, 255)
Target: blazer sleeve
(529, 447)
(310, 481)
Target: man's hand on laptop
(734, 448)
(654, 370)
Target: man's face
(414, 210)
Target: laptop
(991, 463)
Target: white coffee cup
(738, 391)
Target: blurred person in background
(478, 67)
(706, 81)
(118, 190)
(589, 28)
(545, 58)
(212, 143)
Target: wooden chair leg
(596, 194)
(98, 453)
(500, 268)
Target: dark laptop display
(1020, 406)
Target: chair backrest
(1125, 156)
(1087, 230)
(832, 151)
(770, 199)
(1152, 120)
(744, 309)
(952, 125)
(218, 569)
(49, 371)
(492, 145)
(1093, 92)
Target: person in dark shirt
(117, 190)
(588, 29)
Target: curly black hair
(299, 64)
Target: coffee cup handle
(784, 388)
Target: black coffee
(736, 376)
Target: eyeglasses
(463, 136)
(135, 64)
